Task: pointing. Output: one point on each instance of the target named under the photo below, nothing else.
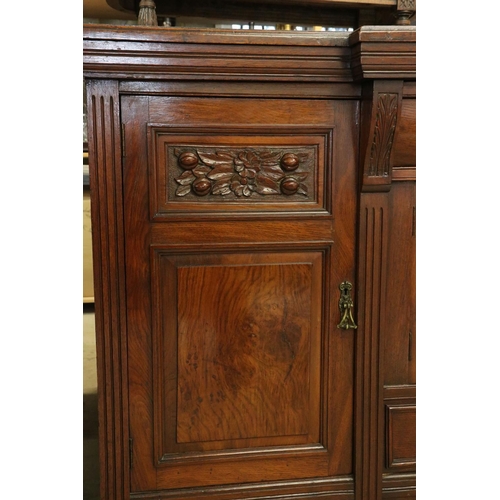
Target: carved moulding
(241, 173)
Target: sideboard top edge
(214, 36)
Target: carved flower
(247, 164)
(242, 186)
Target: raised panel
(221, 169)
(240, 337)
(401, 437)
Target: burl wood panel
(244, 357)
(242, 341)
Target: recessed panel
(401, 436)
(237, 171)
(242, 343)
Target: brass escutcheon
(345, 305)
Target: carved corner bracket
(380, 115)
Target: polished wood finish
(234, 193)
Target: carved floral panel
(239, 173)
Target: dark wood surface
(233, 194)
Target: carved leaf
(217, 158)
(270, 157)
(302, 189)
(273, 171)
(183, 190)
(385, 125)
(265, 185)
(221, 188)
(222, 171)
(201, 170)
(300, 176)
(185, 178)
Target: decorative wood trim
(385, 52)
(341, 488)
(383, 135)
(108, 252)
(159, 54)
(404, 173)
(400, 392)
(241, 89)
(371, 290)
(194, 36)
(381, 109)
(400, 481)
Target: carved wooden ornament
(383, 137)
(240, 173)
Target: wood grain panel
(244, 358)
(400, 331)
(247, 369)
(139, 323)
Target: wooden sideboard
(253, 219)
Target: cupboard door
(239, 228)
